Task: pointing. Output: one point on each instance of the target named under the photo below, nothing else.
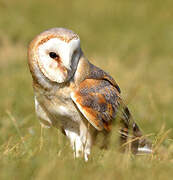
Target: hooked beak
(66, 56)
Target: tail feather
(130, 132)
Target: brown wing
(97, 73)
(98, 101)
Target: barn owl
(75, 96)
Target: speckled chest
(58, 104)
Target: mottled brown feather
(97, 73)
(97, 99)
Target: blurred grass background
(130, 39)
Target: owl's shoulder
(98, 74)
(87, 70)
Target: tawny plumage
(71, 93)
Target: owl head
(53, 55)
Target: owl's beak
(66, 59)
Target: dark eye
(53, 55)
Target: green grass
(130, 39)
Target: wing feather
(97, 100)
